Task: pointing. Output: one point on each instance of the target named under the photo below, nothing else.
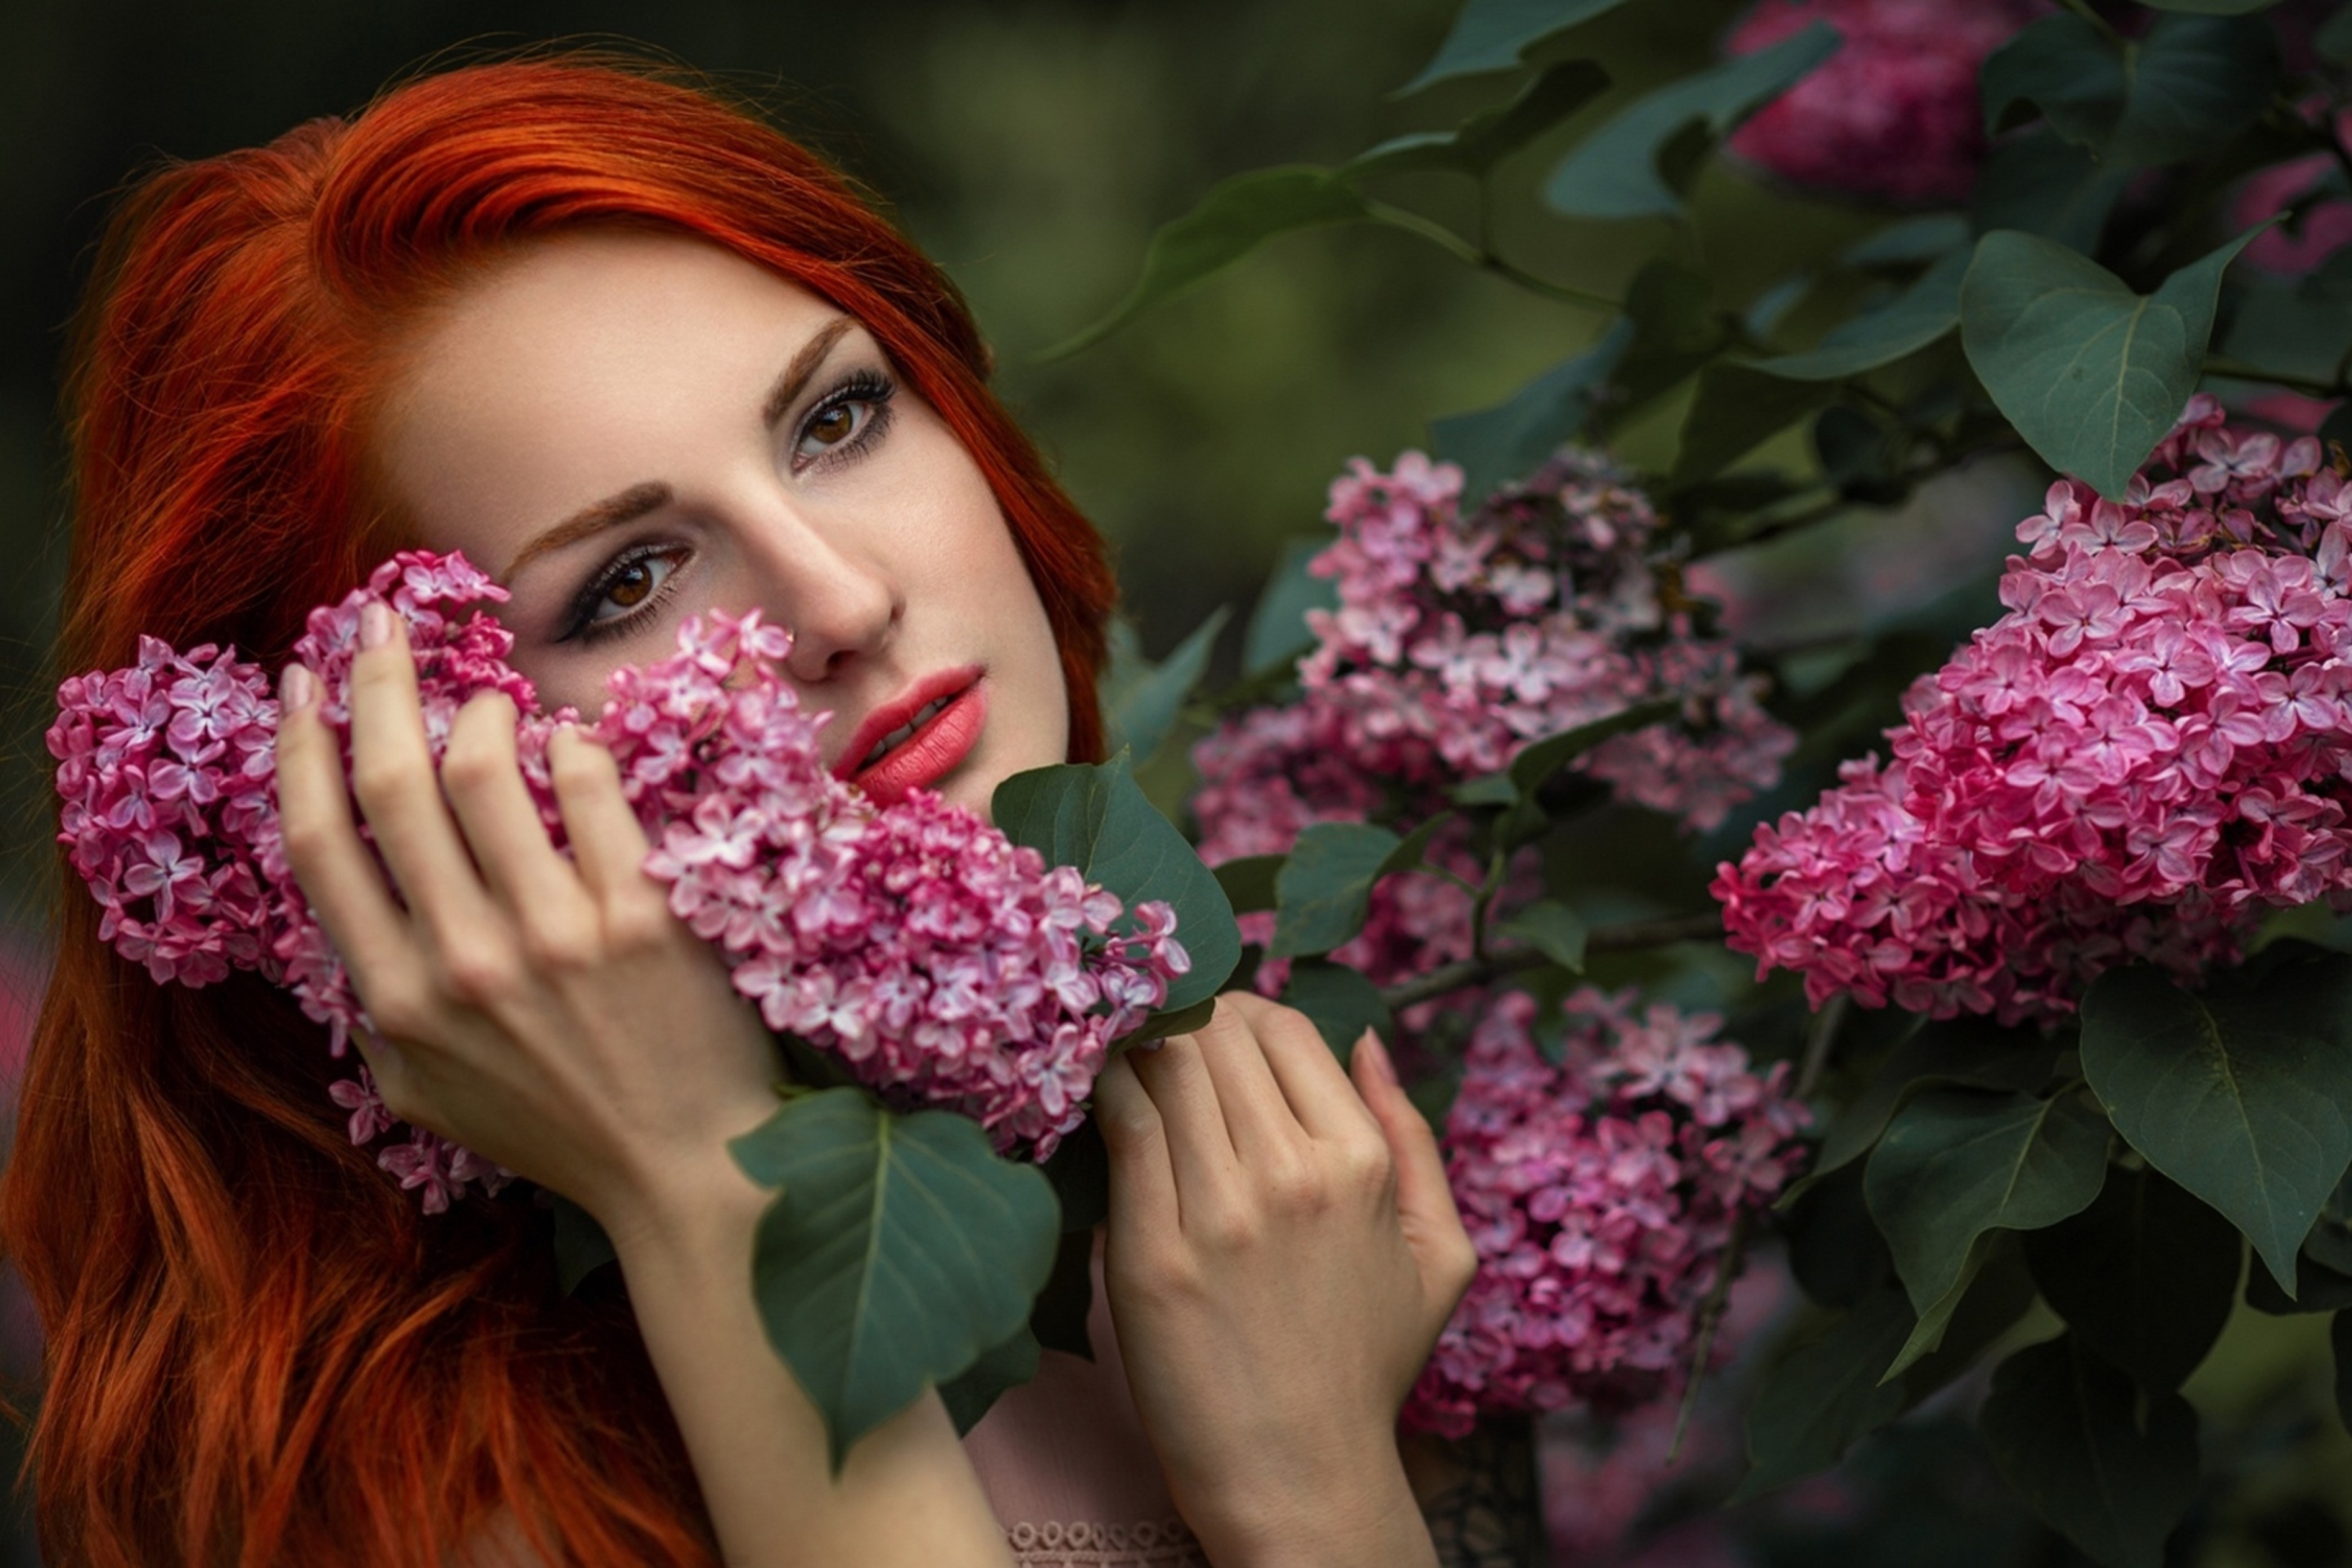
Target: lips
(917, 737)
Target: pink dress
(1068, 1470)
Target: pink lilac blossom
(1456, 641)
(1600, 1193)
(1895, 114)
(940, 962)
(2151, 749)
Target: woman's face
(626, 429)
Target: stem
(2083, 9)
(1564, 293)
(1826, 1024)
(1710, 1315)
(1633, 936)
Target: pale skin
(1282, 1250)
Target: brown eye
(833, 425)
(629, 589)
(630, 584)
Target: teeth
(897, 737)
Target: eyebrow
(635, 502)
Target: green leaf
(2237, 1094)
(1080, 1173)
(1923, 239)
(582, 1248)
(1323, 888)
(2340, 1341)
(2317, 1289)
(1169, 1021)
(1278, 631)
(2040, 184)
(1676, 329)
(1096, 818)
(2145, 1277)
(1739, 407)
(1059, 1318)
(2333, 39)
(2001, 1293)
(1491, 134)
(1615, 171)
(1495, 34)
(1957, 1163)
(1535, 765)
(1341, 1003)
(1552, 928)
(2090, 374)
(1824, 1395)
(1230, 222)
(1000, 1367)
(899, 1251)
(1973, 1052)
(2066, 1429)
(2184, 86)
(2304, 330)
(1142, 707)
(1506, 442)
(1249, 881)
(1922, 313)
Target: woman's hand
(550, 1015)
(1282, 1253)
(554, 1016)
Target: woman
(639, 356)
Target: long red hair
(258, 1351)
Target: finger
(338, 875)
(1425, 1198)
(398, 788)
(608, 844)
(1258, 1120)
(1313, 1083)
(1200, 1149)
(1142, 1181)
(482, 778)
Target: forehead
(573, 362)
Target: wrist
(1369, 1521)
(693, 1217)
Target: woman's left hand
(1283, 1252)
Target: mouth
(915, 740)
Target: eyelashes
(840, 427)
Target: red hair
(258, 1351)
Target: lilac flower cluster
(1893, 114)
(1600, 1193)
(938, 962)
(1456, 641)
(2149, 750)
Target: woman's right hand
(1282, 1253)
(550, 1015)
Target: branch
(2238, 370)
(1631, 937)
(1710, 1316)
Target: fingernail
(1145, 1047)
(375, 623)
(1370, 1047)
(296, 687)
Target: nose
(840, 602)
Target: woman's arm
(553, 1015)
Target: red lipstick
(943, 714)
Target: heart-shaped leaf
(1324, 886)
(2184, 87)
(1095, 818)
(1278, 631)
(1552, 928)
(1825, 1393)
(2090, 374)
(1955, 1164)
(1615, 171)
(1505, 442)
(1141, 701)
(2145, 1276)
(2237, 1093)
(999, 1369)
(1495, 34)
(2042, 183)
(1739, 407)
(899, 1253)
(2067, 1430)
(1922, 313)
(1341, 1003)
(1491, 134)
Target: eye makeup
(861, 398)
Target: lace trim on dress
(1169, 1543)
